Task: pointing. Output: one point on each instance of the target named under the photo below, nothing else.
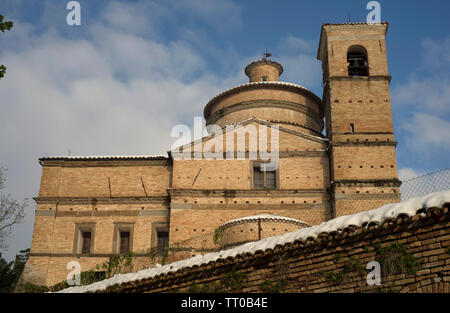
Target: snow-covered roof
(362, 219)
(104, 157)
(208, 106)
(264, 217)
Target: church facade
(90, 208)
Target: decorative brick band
(102, 213)
(364, 143)
(251, 206)
(103, 200)
(256, 104)
(362, 78)
(362, 133)
(72, 255)
(367, 183)
(228, 193)
(281, 154)
(262, 85)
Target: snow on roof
(265, 217)
(378, 216)
(104, 157)
(265, 83)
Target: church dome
(265, 97)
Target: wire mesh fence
(363, 199)
(426, 184)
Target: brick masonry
(313, 266)
(191, 197)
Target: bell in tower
(357, 61)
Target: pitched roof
(262, 122)
(356, 23)
(378, 216)
(106, 157)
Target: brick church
(90, 208)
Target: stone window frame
(158, 227)
(254, 164)
(78, 241)
(120, 227)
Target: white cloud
(112, 92)
(423, 103)
(436, 54)
(432, 94)
(298, 57)
(301, 69)
(427, 132)
(297, 44)
(407, 173)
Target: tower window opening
(264, 78)
(358, 64)
(352, 127)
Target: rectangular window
(264, 78)
(124, 242)
(264, 178)
(352, 128)
(86, 242)
(84, 238)
(259, 177)
(270, 179)
(163, 241)
(123, 238)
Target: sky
(118, 83)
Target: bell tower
(358, 116)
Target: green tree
(10, 272)
(6, 275)
(7, 25)
(11, 212)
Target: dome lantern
(264, 70)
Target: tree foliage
(10, 272)
(7, 25)
(11, 212)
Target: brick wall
(330, 263)
(358, 117)
(298, 99)
(259, 71)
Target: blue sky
(118, 83)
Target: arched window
(357, 61)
